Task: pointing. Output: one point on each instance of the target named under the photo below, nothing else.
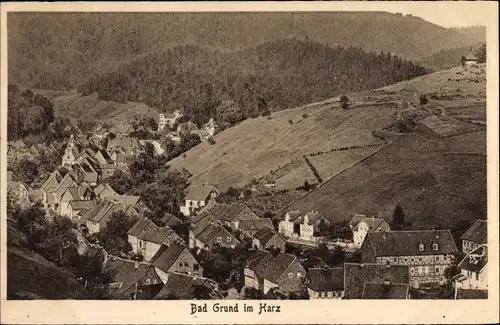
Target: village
(210, 249)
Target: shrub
(290, 121)
(344, 102)
(423, 100)
(305, 116)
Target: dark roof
(102, 211)
(278, 266)
(372, 222)
(406, 243)
(78, 191)
(256, 224)
(199, 192)
(472, 294)
(170, 220)
(477, 233)
(356, 275)
(166, 256)
(138, 227)
(476, 260)
(264, 235)
(385, 291)
(106, 156)
(314, 262)
(125, 199)
(182, 286)
(125, 274)
(82, 204)
(325, 279)
(159, 235)
(255, 258)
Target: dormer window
(421, 247)
(219, 239)
(435, 246)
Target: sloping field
(29, 274)
(91, 108)
(257, 147)
(432, 185)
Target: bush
(290, 121)
(344, 102)
(423, 100)
(305, 116)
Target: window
(154, 281)
(290, 275)
(228, 239)
(477, 276)
(435, 246)
(219, 239)
(140, 243)
(437, 270)
(421, 247)
(299, 275)
(148, 281)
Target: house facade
(80, 193)
(361, 225)
(428, 253)
(325, 283)
(197, 197)
(473, 270)
(169, 120)
(475, 236)
(267, 238)
(175, 257)
(301, 226)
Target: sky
(442, 13)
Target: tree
(337, 257)
(26, 171)
(398, 217)
(202, 292)
(481, 54)
(114, 236)
(423, 100)
(462, 61)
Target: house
(212, 235)
(77, 193)
(249, 227)
(131, 280)
(361, 225)
(428, 253)
(475, 236)
(98, 216)
(268, 238)
(170, 220)
(146, 238)
(70, 153)
(357, 276)
(231, 215)
(473, 270)
(197, 197)
(55, 199)
(300, 226)
(325, 283)
(78, 207)
(282, 272)
(11, 154)
(49, 186)
(122, 128)
(176, 258)
(187, 287)
(254, 274)
(124, 199)
(86, 172)
(386, 290)
(471, 59)
(104, 190)
(168, 120)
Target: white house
(301, 226)
(473, 270)
(362, 225)
(197, 197)
(168, 120)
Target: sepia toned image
(219, 157)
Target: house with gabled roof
(428, 253)
(268, 238)
(249, 227)
(175, 257)
(98, 216)
(78, 207)
(76, 193)
(124, 199)
(475, 236)
(473, 270)
(168, 119)
(325, 283)
(283, 272)
(231, 215)
(302, 226)
(361, 224)
(253, 274)
(197, 197)
(131, 280)
(187, 287)
(212, 235)
(104, 190)
(67, 182)
(358, 275)
(146, 238)
(49, 186)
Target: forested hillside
(272, 76)
(58, 50)
(448, 58)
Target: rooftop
(325, 279)
(385, 291)
(477, 233)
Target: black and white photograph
(333, 155)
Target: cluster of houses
(162, 265)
